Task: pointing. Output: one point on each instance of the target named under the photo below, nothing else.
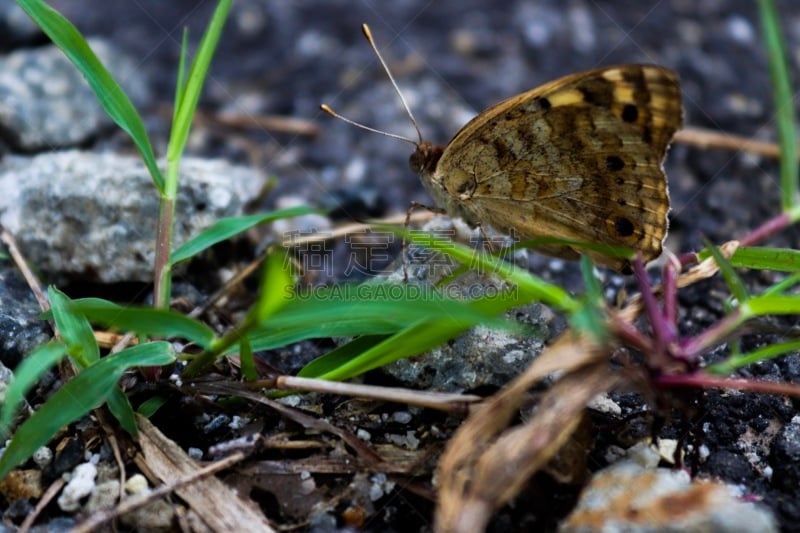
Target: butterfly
(572, 164)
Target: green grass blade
(189, 94)
(77, 397)
(768, 352)
(735, 283)
(371, 309)
(229, 227)
(247, 362)
(276, 287)
(589, 319)
(150, 406)
(424, 333)
(785, 285)
(144, 320)
(179, 84)
(74, 329)
(783, 101)
(274, 292)
(340, 356)
(772, 304)
(26, 375)
(779, 259)
(120, 407)
(111, 96)
(530, 287)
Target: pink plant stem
(767, 230)
(705, 381)
(691, 348)
(662, 333)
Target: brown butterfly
(578, 159)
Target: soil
(453, 59)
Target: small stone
(80, 485)
(22, 484)
(104, 496)
(93, 216)
(48, 104)
(43, 456)
(630, 497)
(195, 453)
(137, 484)
(20, 329)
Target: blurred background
(451, 59)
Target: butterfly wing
(579, 158)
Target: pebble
(93, 216)
(43, 456)
(636, 497)
(104, 496)
(80, 485)
(48, 104)
(20, 330)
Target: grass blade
(735, 283)
(74, 329)
(111, 96)
(229, 227)
(77, 397)
(26, 375)
(784, 105)
(189, 94)
(144, 320)
(780, 259)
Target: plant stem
(163, 268)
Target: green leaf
(77, 397)
(340, 356)
(768, 352)
(771, 304)
(111, 96)
(149, 407)
(74, 329)
(247, 361)
(735, 283)
(120, 407)
(189, 94)
(783, 98)
(779, 259)
(275, 288)
(369, 309)
(144, 320)
(424, 333)
(26, 375)
(229, 227)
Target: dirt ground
(453, 59)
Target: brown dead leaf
(486, 464)
(220, 508)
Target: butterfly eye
(416, 162)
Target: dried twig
(703, 138)
(43, 502)
(22, 265)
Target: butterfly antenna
(331, 112)
(368, 35)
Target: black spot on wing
(614, 163)
(623, 226)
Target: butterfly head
(423, 160)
